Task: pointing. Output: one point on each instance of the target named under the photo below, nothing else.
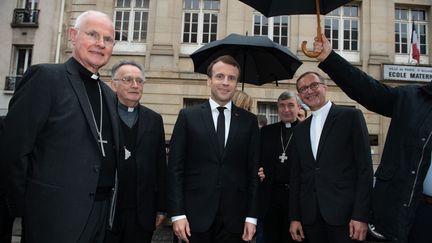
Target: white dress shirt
(227, 113)
(427, 183)
(318, 119)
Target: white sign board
(407, 73)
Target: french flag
(415, 45)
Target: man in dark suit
(142, 167)
(402, 197)
(331, 169)
(274, 190)
(212, 168)
(60, 141)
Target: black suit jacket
(201, 182)
(50, 151)
(151, 167)
(339, 181)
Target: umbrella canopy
(271, 8)
(261, 60)
(288, 7)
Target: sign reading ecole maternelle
(407, 73)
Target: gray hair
(80, 19)
(288, 95)
(121, 63)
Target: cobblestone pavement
(162, 235)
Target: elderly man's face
(93, 42)
(128, 84)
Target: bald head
(90, 13)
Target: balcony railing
(25, 17)
(11, 81)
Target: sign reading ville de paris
(407, 73)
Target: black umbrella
(288, 7)
(261, 60)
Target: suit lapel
(328, 124)
(142, 124)
(207, 117)
(111, 102)
(306, 135)
(81, 93)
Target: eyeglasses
(221, 76)
(313, 86)
(96, 37)
(129, 80)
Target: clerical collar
(323, 110)
(85, 73)
(128, 115)
(126, 108)
(214, 105)
(289, 125)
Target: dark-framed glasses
(129, 80)
(96, 37)
(313, 86)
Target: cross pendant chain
(101, 142)
(283, 157)
(99, 128)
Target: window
(404, 20)
(27, 15)
(20, 62)
(269, 110)
(276, 28)
(200, 18)
(131, 19)
(341, 26)
(30, 4)
(22, 59)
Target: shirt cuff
(175, 218)
(251, 220)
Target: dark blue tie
(221, 128)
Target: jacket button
(96, 168)
(423, 139)
(413, 172)
(405, 205)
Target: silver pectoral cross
(283, 157)
(101, 141)
(127, 153)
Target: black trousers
(94, 231)
(129, 229)
(322, 232)
(276, 221)
(420, 231)
(216, 234)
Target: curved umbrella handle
(311, 54)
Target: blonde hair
(242, 100)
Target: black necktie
(221, 128)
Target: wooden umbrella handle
(313, 54)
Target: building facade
(161, 34)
